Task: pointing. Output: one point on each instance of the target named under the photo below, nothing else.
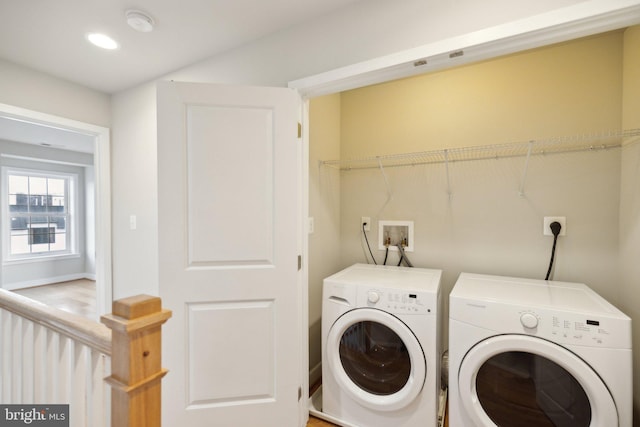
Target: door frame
(102, 165)
(303, 273)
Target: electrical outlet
(366, 221)
(547, 222)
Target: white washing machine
(536, 353)
(381, 346)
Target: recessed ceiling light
(139, 21)
(102, 40)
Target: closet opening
(466, 152)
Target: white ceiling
(49, 35)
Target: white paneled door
(230, 235)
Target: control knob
(529, 320)
(373, 297)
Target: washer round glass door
(376, 359)
(519, 380)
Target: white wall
(134, 187)
(26, 88)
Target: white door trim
(102, 164)
(580, 20)
(303, 405)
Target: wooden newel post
(136, 357)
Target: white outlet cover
(368, 221)
(546, 230)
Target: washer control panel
(400, 301)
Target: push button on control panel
(529, 320)
(373, 297)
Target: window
(38, 209)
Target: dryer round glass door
(519, 380)
(376, 359)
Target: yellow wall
(631, 79)
(565, 89)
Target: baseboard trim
(46, 281)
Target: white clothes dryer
(381, 346)
(536, 353)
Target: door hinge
(299, 130)
(299, 262)
(299, 393)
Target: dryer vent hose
(444, 370)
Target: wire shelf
(602, 141)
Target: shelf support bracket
(526, 168)
(386, 183)
(446, 167)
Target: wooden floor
(77, 296)
(316, 422)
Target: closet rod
(558, 145)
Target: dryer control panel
(572, 328)
(581, 329)
(399, 301)
(563, 327)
